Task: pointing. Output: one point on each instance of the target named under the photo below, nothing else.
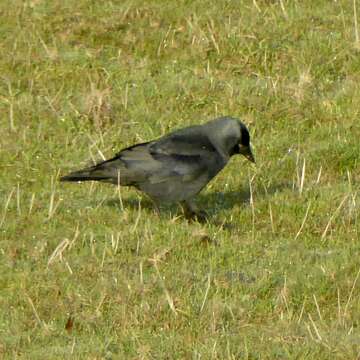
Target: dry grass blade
(252, 203)
(256, 6)
(18, 203)
(53, 205)
(206, 292)
(41, 323)
(283, 9)
(94, 144)
(351, 293)
(7, 202)
(271, 218)
(333, 216)
(319, 176)
(118, 191)
(304, 220)
(166, 292)
(302, 178)
(31, 203)
(163, 42)
(301, 312)
(137, 218)
(10, 101)
(212, 36)
(315, 328)
(340, 318)
(57, 253)
(317, 307)
(357, 39)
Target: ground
(89, 271)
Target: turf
(91, 272)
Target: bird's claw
(200, 216)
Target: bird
(177, 166)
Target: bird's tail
(89, 174)
(105, 171)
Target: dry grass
(94, 272)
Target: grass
(87, 276)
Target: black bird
(177, 166)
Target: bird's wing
(158, 161)
(187, 142)
(135, 164)
(182, 155)
(185, 154)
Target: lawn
(89, 271)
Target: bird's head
(243, 147)
(233, 137)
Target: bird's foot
(192, 213)
(199, 216)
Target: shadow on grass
(219, 200)
(212, 202)
(230, 199)
(132, 203)
(224, 200)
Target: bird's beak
(247, 152)
(249, 155)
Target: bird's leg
(156, 206)
(192, 212)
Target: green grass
(84, 277)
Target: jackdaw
(177, 166)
